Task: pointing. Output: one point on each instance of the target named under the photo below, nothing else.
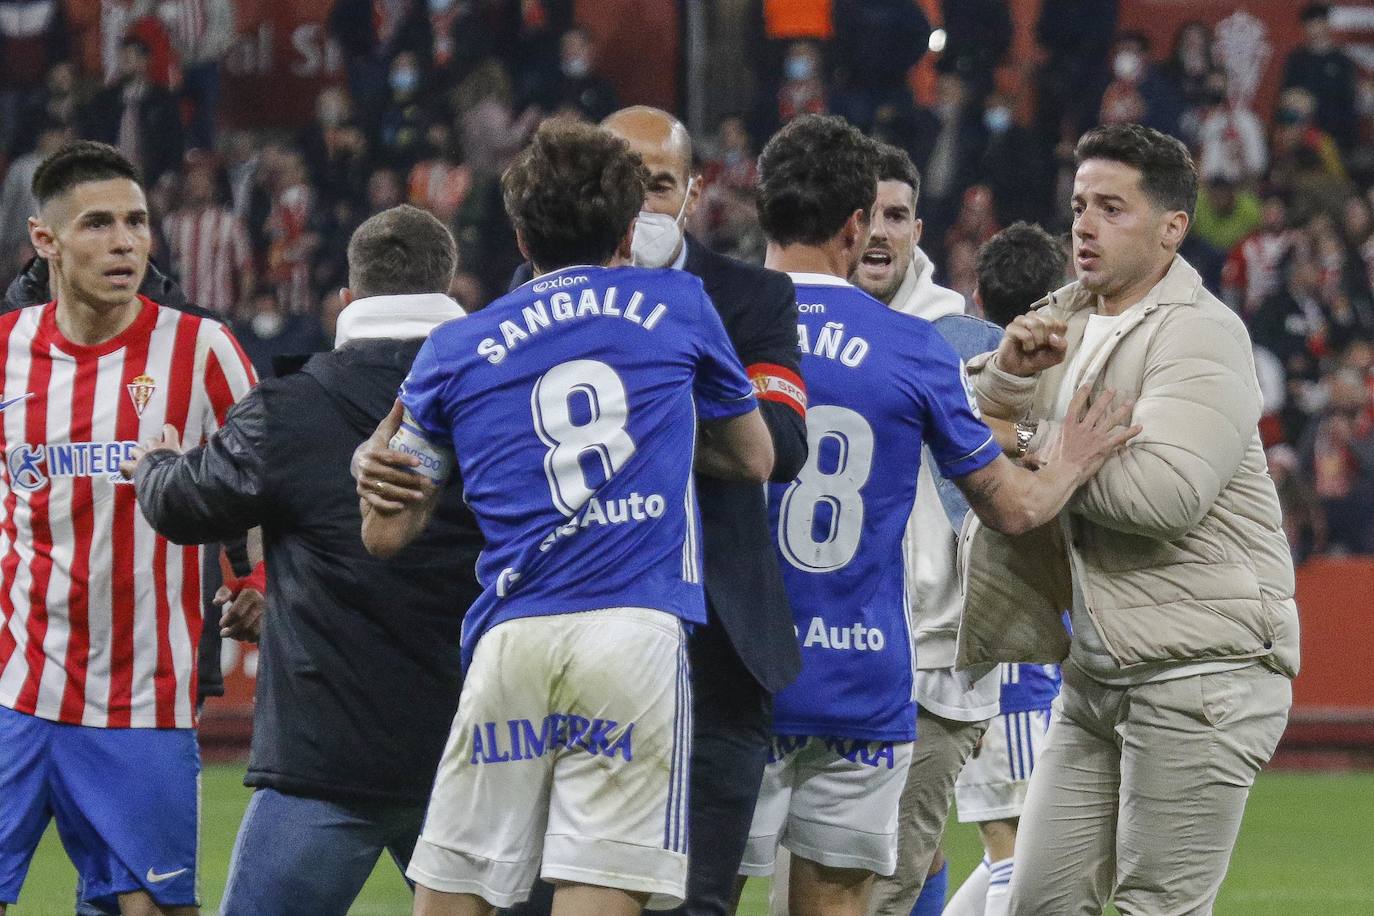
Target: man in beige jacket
(1172, 560)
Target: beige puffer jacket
(1176, 543)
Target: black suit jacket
(744, 589)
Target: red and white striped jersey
(100, 617)
(209, 250)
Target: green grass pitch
(1304, 849)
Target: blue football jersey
(879, 384)
(1026, 687)
(571, 407)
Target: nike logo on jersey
(155, 878)
(6, 405)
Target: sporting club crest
(141, 391)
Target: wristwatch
(1025, 432)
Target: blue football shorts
(126, 802)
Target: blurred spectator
(207, 245)
(1139, 93)
(977, 37)
(62, 101)
(410, 109)
(292, 232)
(201, 31)
(1326, 72)
(1300, 147)
(489, 131)
(137, 116)
(17, 202)
(1304, 522)
(583, 90)
(1077, 37)
(1189, 69)
(1338, 455)
(335, 149)
(533, 53)
(440, 182)
(1016, 166)
(778, 26)
(877, 42)
(1291, 322)
(268, 330)
(33, 38)
(977, 222)
(1357, 229)
(353, 25)
(1252, 269)
(1226, 212)
(949, 160)
(384, 191)
(727, 217)
(1230, 137)
(802, 90)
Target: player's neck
(89, 324)
(808, 259)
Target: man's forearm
(185, 503)
(1014, 500)
(386, 534)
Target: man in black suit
(748, 650)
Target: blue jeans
(298, 856)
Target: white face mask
(658, 235)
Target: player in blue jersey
(570, 408)
(881, 385)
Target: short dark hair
(813, 175)
(1167, 172)
(573, 193)
(401, 251)
(77, 163)
(895, 165)
(1315, 11)
(1016, 268)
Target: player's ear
(977, 296)
(856, 230)
(346, 297)
(43, 238)
(622, 252)
(694, 186)
(919, 226)
(524, 249)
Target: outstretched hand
(170, 439)
(1090, 434)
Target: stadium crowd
(439, 97)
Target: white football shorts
(570, 747)
(833, 801)
(992, 784)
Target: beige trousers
(942, 746)
(1139, 797)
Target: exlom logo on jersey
(563, 282)
(32, 466)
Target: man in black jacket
(359, 671)
(748, 651)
